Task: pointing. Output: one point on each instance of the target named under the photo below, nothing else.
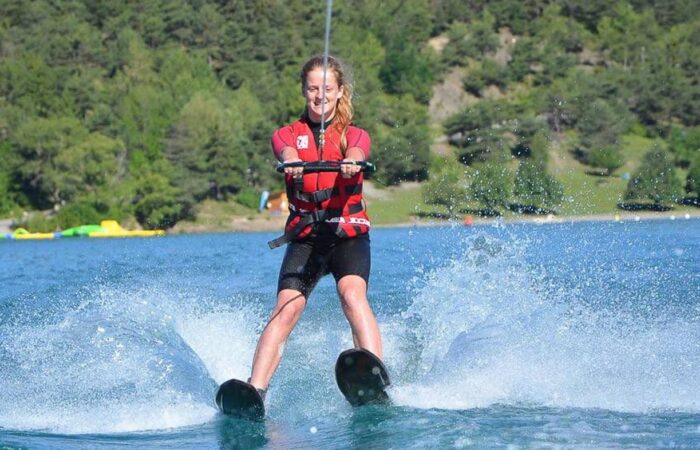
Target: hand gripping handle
(326, 166)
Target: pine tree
(491, 187)
(655, 180)
(534, 189)
(447, 184)
(692, 182)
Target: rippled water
(579, 335)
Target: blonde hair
(343, 110)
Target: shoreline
(539, 220)
(238, 224)
(276, 224)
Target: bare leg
(352, 290)
(290, 305)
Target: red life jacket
(325, 196)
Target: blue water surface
(565, 335)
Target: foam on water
(485, 327)
(494, 330)
(119, 360)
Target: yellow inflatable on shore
(106, 229)
(22, 234)
(110, 228)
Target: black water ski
(362, 377)
(240, 399)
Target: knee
(352, 298)
(287, 314)
(352, 291)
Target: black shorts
(307, 260)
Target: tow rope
(326, 46)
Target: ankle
(261, 391)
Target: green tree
(407, 70)
(363, 53)
(524, 57)
(692, 181)
(516, 15)
(28, 83)
(663, 92)
(402, 26)
(588, 13)
(89, 166)
(560, 32)
(555, 64)
(558, 101)
(252, 131)
(479, 131)
(534, 189)
(627, 35)
(600, 126)
(446, 185)
(531, 138)
(578, 96)
(7, 164)
(74, 41)
(482, 33)
(494, 73)
(457, 49)
(608, 158)
(486, 72)
(471, 40)
(401, 142)
(670, 12)
(447, 12)
(183, 73)
(80, 212)
(158, 204)
(684, 144)
(201, 149)
(490, 186)
(39, 143)
(655, 180)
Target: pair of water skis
(361, 377)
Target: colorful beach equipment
(111, 228)
(81, 231)
(22, 234)
(106, 228)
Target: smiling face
(313, 93)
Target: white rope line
(327, 40)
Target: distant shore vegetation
(144, 110)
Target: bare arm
(352, 155)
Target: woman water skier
(327, 229)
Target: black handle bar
(326, 166)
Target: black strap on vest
(309, 218)
(316, 196)
(325, 194)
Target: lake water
(574, 335)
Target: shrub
(249, 198)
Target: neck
(316, 120)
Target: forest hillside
(144, 111)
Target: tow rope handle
(326, 166)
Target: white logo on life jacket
(302, 142)
(351, 220)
